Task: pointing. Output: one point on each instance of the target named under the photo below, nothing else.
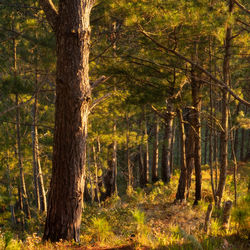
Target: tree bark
(146, 153)
(24, 204)
(208, 217)
(130, 170)
(23, 191)
(37, 170)
(225, 109)
(155, 151)
(166, 146)
(190, 146)
(196, 125)
(180, 195)
(12, 208)
(205, 146)
(73, 95)
(242, 146)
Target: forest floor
(149, 219)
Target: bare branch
(50, 12)
(22, 103)
(99, 100)
(242, 7)
(221, 83)
(100, 80)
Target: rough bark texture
(225, 109)
(73, 95)
(180, 195)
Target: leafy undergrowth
(148, 219)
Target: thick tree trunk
(225, 109)
(73, 94)
(166, 146)
(155, 151)
(180, 195)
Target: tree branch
(22, 103)
(99, 100)
(242, 7)
(100, 80)
(221, 83)
(50, 12)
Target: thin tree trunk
(141, 165)
(155, 151)
(130, 170)
(23, 192)
(242, 146)
(114, 161)
(208, 217)
(196, 124)
(225, 109)
(12, 209)
(97, 191)
(190, 146)
(211, 138)
(146, 153)
(166, 147)
(172, 150)
(37, 171)
(71, 24)
(205, 146)
(180, 195)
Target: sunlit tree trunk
(37, 170)
(24, 204)
(225, 109)
(71, 24)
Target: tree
(73, 97)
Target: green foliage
(241, 215)
(101, 229)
